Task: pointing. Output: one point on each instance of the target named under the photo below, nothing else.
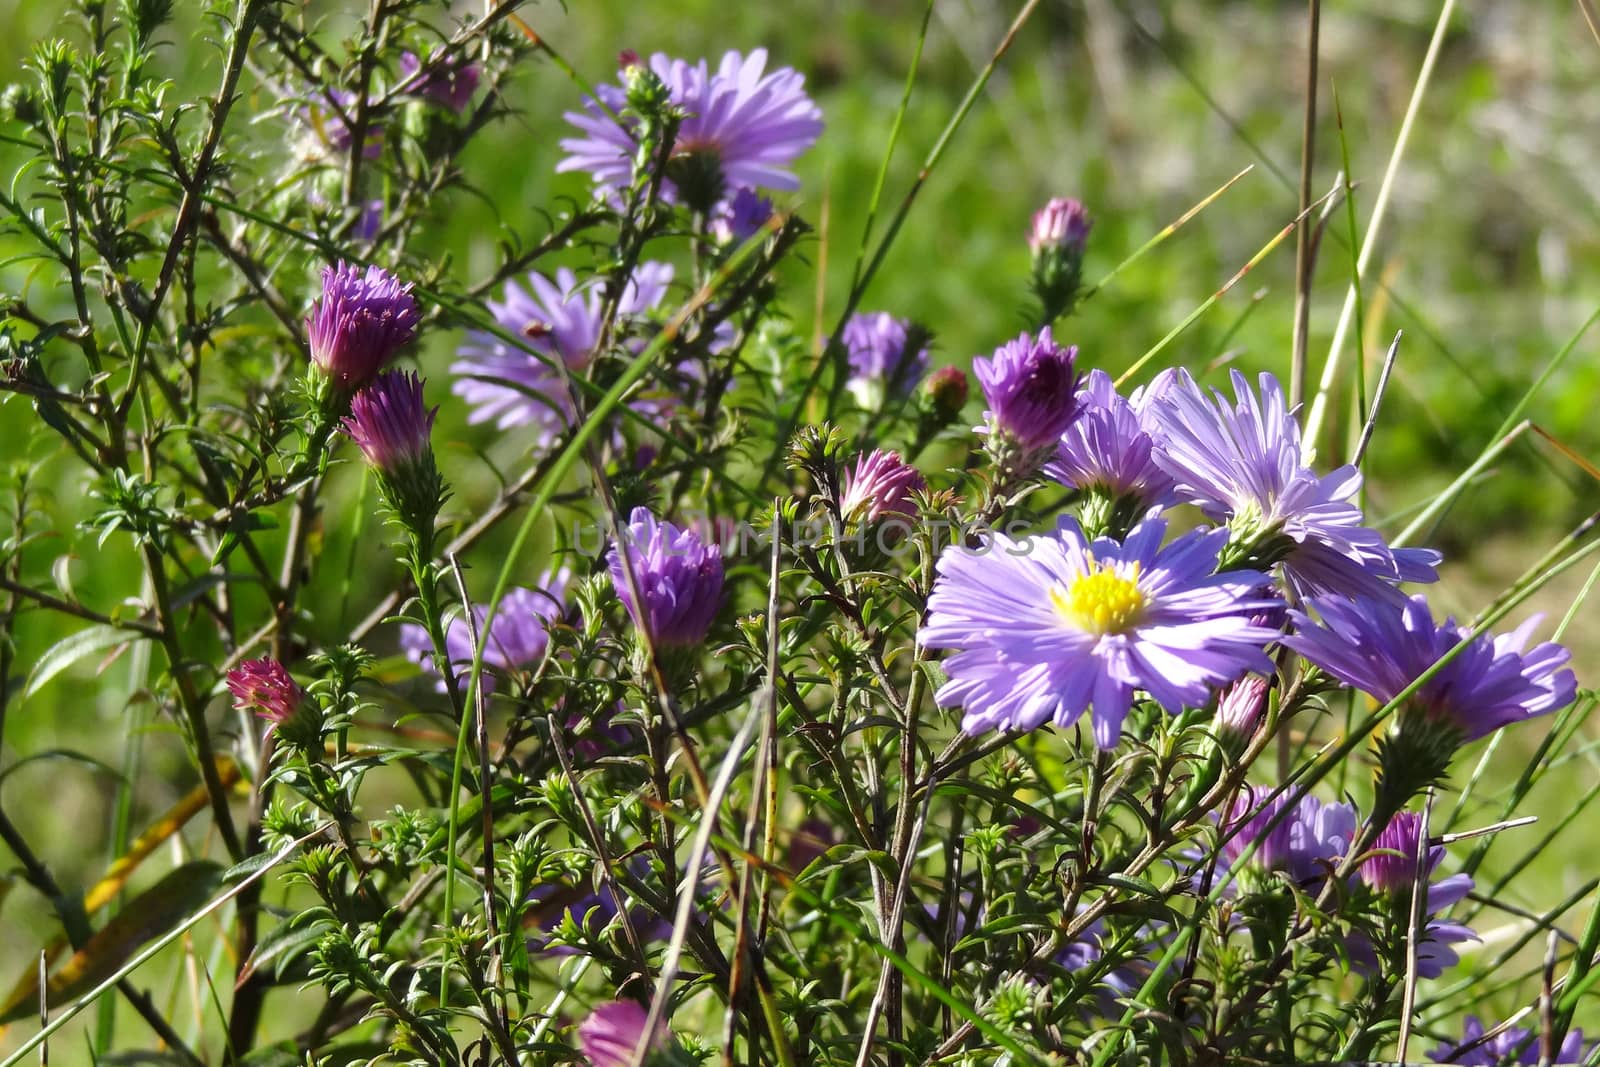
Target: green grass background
(1488, 263)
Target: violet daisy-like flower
(561, 319)
(881, 485)
(611, 1033)
(744, 126)
(263, 686)
(885, 358)
(740, 217)
(518, 634)
(1109, 446)
(1306, 843)
(1044, 629)
(1241, 463)
(1514, 1044)
(1031, 386)
(1381, 649)
(1392, 871)
(449, 84)
(390, 422)
(362, 319)
(679, 578)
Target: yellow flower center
(1101, 601)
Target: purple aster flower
(363, 318)
(1392, 871)
(611, 1033)
(560, 319)
(390, 422)
(264, 687)
(326, 115)
(740, 217)
(879, 348)
(1046, 627)
(881, 485)
(1031, 387)
(679, 577)
(744, 125)
(1381, 648)
(449, 84)
(1306, 843)
(1123, 980)
(1061, 225)
(1514, 1044)
(1109, 446)
(1241, 464)
(517, 639)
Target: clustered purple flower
(743, 123)
(390, 422)
(1031, 387)
(679, 578)
(1514, 1044)
(517, 636)
(611, 1033)
(881, 485)
(363, 318)
(263, 686)
(883, 360)
(449, 82)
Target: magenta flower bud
(679, 578)
(945, 393)
(390, 423)
(881, 485)
(449, 84)
(1240, 707)
(361, 320)
(612, 1031)
(1394, 868)
(1031, 386)
(1061, 225)
(264, 687)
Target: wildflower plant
(552, 657)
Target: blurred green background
(1490, 259)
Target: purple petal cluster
(1031, 386)
(263, 686)
(679, 578)
(1241, 463)
(449, 84)
(561, 319)
(390, 422)
(611, 1033)
(752, 123)
(1382, 648)
(1045, 628)
(1061, 225)
(1514, 1044)
(1306, 843)
(1392, 871)
(362, 319)
(740, 217)
(881, 485)
(882, 363)
(1110, 445)
(517, 638)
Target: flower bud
(390, 423)
(612, 1031)
(944, 394)
(881, 485)
(1059, 234)
(1239, 711)
(263, 686)
(1031, 387)
(361, 320)
(679, 578)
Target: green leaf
(66, 652)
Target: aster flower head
(611, 1033)
(1109, 447)
(1047, 628)
(1391, 871)
(516, 640)
(679, 578)
(1381, 648)
(743, 126)
(1241, 463)
(449, 84)
(887, 356)
(1514, 1044)
(1031, 386)
(740, 217)
(362, 319)
(390, 423)
(560, 319)
(1305, 843)
(881, 486)
(263, 686)
(1062, 224)
(1392, 866)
